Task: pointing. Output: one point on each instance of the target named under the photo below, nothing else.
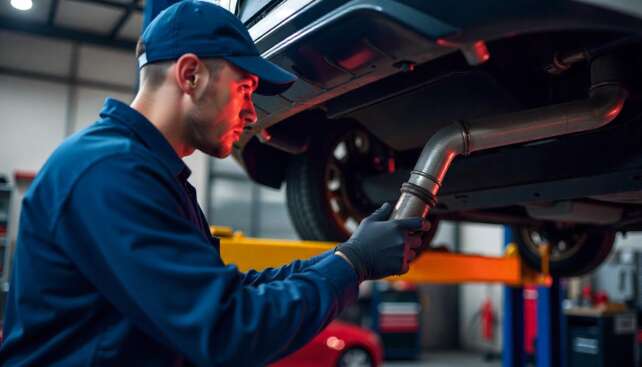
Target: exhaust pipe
(419, 193)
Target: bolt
(405, 66)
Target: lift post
(513, 351)
(551, 327)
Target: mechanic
(114, 264)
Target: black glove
(380, 247)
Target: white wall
(198, 164)
(89, 101)
(632, 240)
(618, 275)
(488, 240)
(40, 104)
(107, 65)
(43, 97)
(33, 122)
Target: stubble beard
(199, 127)
(198, 137)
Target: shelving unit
(5, 214)
(5, 199)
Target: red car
(339, 344)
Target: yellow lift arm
(431, 267)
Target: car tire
(355, 357)
(324, 196)
(309, 199)
(576, 249)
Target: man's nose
(248, 114)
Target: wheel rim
(564, 240)
(344, 194)
(355, 358)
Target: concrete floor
(453, 358)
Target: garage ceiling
(111, 23)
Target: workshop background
(57, 65)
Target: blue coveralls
(114, 266)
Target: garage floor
(447, 359)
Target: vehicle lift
(440, 267)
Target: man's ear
(187, 72)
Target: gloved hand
(380, 247)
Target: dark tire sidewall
(309, 210)
(588, 257)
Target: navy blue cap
(210, 31)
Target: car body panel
(326, 348)
(341, 49)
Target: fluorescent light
(22, 4)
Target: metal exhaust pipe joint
(419, 193)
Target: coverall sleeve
(159, 271)
(256, 278)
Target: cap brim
(273, 79)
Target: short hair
(153, 75)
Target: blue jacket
(114, 266)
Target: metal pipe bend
(604, 104)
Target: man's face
(221, 111)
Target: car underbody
(380, 78)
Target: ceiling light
(22, 4)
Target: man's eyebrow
(254, 80)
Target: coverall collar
(147, 133)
